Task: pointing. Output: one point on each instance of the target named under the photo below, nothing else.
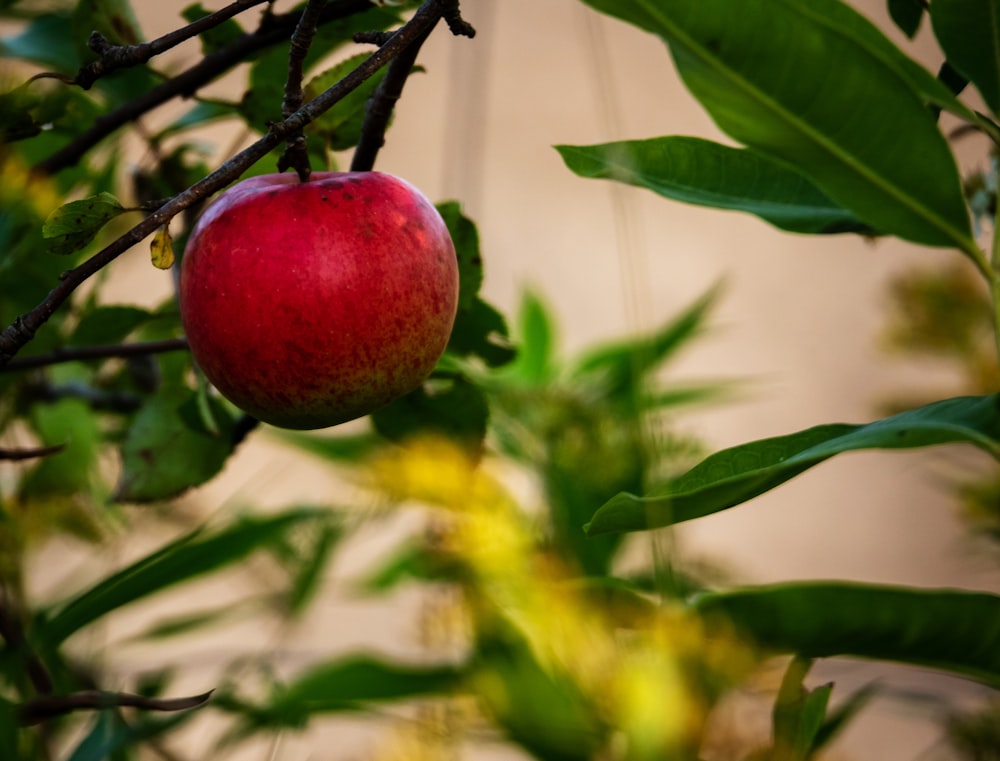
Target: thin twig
(296, 156)
(15, 455)
(41, 709)
(378, 110)
(24, 327)
(114, 57)
(88, 353)
(273, 29)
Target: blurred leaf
(161, 249)
(953, 630)
(534, 364)
(865, 163)
(16, 119)
(738, 474)
(340, 448)
(195, 554)
(907, 15)
(701, 172)
(541, 709)
(169, 448)
(340, 126)
(969, 33)
(347, 684)
(108, 324)
(46, 41)
(73, 225)
(454, 408)
(841, 716)
(621, 367)
(226, 33)
(307, 558)
(202, 112)
(68, 422)
(110, 734)
(798, 714)
(465, 236)
(408, 562)
(480, 329)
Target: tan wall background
(799, 321)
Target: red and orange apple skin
(308, 304)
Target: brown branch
(378, 110)
(114, 57)
(24, 327)
(87, 353)
(41, 709)
(296, 156)
(15, 455)
(273, 30)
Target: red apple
(310, 304)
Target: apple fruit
(308, 304)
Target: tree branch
(24, 327)
(114, 57)
(273, 30)
(41, 709)
(13, 634)
(86, 353)
(296, 156)
(378, 110)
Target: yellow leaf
(162, 249)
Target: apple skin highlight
(311, 304)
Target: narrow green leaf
(907, 15)
(705, 173)
(969, 33)
(195, 554)
(465, 236)
(735, 475)
(623, 364)
(347, 684)
(953, 630)
(808, 84)
(534, 364)
(73, 225)
(798, 713)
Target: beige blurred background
(799, 320)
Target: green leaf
(169, 448)
(73, 225)
(953, 630)
(907, 15)
(195, 554)
(341, 125)
(969, 33)
(622, 366)
(346, 684)
(454, 408)
(108, 324)
(735, 475)
(480, 329)
(465, 236)
(798, 713)
(46, 42)
(704, 173)
(226, 33)
(534, 364)
(73, 470)
(735, 60)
